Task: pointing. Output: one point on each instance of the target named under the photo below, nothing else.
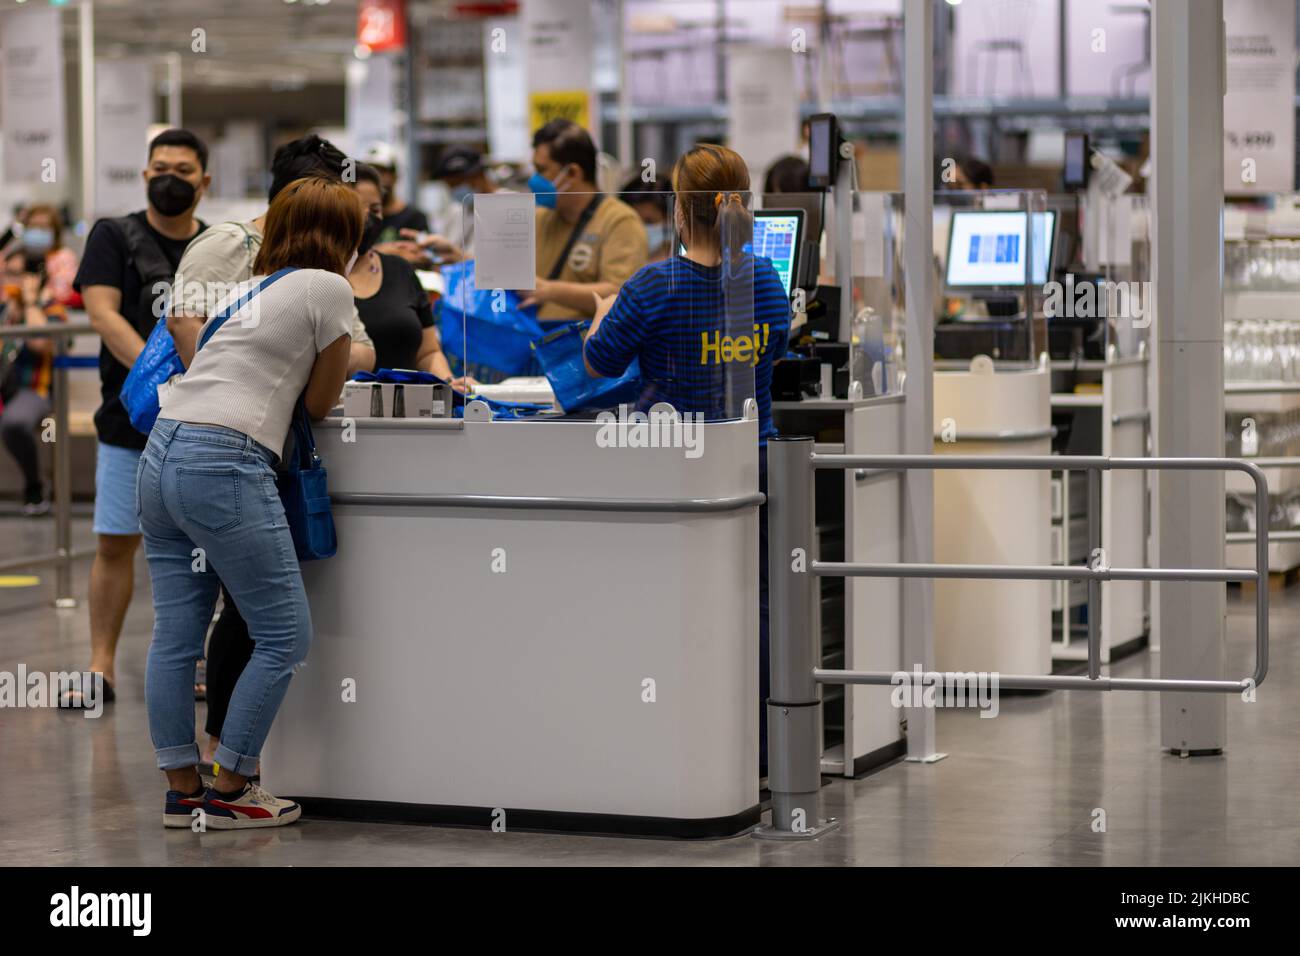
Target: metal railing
(63, 555)
(794, 751)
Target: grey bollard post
(793, 709)
(62, 480)
(1094, 585)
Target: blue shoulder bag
(305, 494)
(159, 362)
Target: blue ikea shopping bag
(159, 361)
(559, 354)
(155, 365)
(476, 332)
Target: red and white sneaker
(178, 808)
(251, 807)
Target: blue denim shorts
(115, 475)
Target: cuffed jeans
(210, 513)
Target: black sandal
(75, 699)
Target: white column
(173, 61)
(630, 163)
(86, 54)
(918, 414)
(1187, 145)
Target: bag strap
(578, 226)
(220, 318)
(248, 246)
(150, 263)
(304, 442)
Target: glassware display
(1258, 351)
(1262, 265)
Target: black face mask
(371, 234)
(171, 195)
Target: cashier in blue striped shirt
(673, 316)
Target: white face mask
(351, 263)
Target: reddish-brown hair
(313, 223)
(709, 180)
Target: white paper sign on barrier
(505, 241)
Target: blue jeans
(210, 513)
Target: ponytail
(735, 227)
(710, 183)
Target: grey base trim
(878, 759)
(653, 505)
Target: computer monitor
(779, 236)
(986, 249)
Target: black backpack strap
(578, 226)
(150, 263)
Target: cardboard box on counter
(378, 400)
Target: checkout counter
(525, 628)
(539, 622)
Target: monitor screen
(777, 235)
(987, 248)
(821, 151)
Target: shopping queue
(329, 302)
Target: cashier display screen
(777, 234)
(988, 248)
(776, 237)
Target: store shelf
(1280, 480)
(1259, 305)
(1282, 555)
(1261, 397)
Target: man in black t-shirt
(122, 280)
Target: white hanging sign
(1259, 108)
(762, 106)
(123, 101)
(32, 106)
(559, 63)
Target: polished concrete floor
(1018, 790)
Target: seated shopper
(25, 374)
(207, 481)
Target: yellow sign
(19, 580)
(572, 105)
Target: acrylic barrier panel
(995, 252)
(564, 304)
(855, 327)
(1105, 273)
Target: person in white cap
(397, 214)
